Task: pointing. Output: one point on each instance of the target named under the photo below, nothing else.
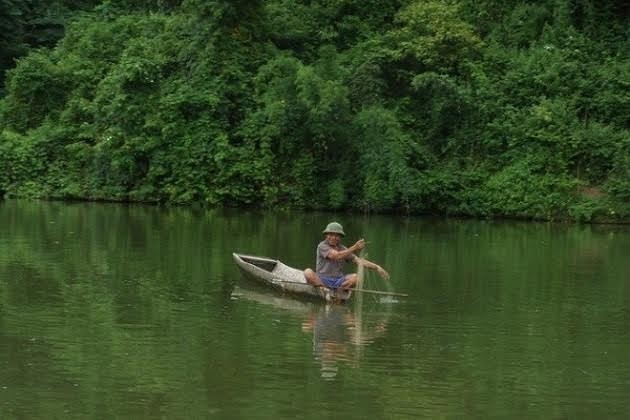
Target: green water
(114, 311)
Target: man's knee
(350, 281)
(310, 275)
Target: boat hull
(279, 276)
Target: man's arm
(372, 266)
(342, 255)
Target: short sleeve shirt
(326, 266)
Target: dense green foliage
(478, 108)
(28, 24)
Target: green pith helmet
(334, 227)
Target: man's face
(333, 239)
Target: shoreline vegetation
(482, 109)
(390, 212)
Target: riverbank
(595, 213)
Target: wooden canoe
(280, 276)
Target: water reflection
(118, 311)
(339, 331)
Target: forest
(476, 108)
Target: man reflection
(336, 335)
(338, 331)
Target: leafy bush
(480, 108)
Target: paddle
(375, 292)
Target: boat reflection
(340, 332)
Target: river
(131, 311)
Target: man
(331, 256)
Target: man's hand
(381, 272)
(359, 245)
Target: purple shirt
(326, 266)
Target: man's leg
(350, 281)
(312, 278)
